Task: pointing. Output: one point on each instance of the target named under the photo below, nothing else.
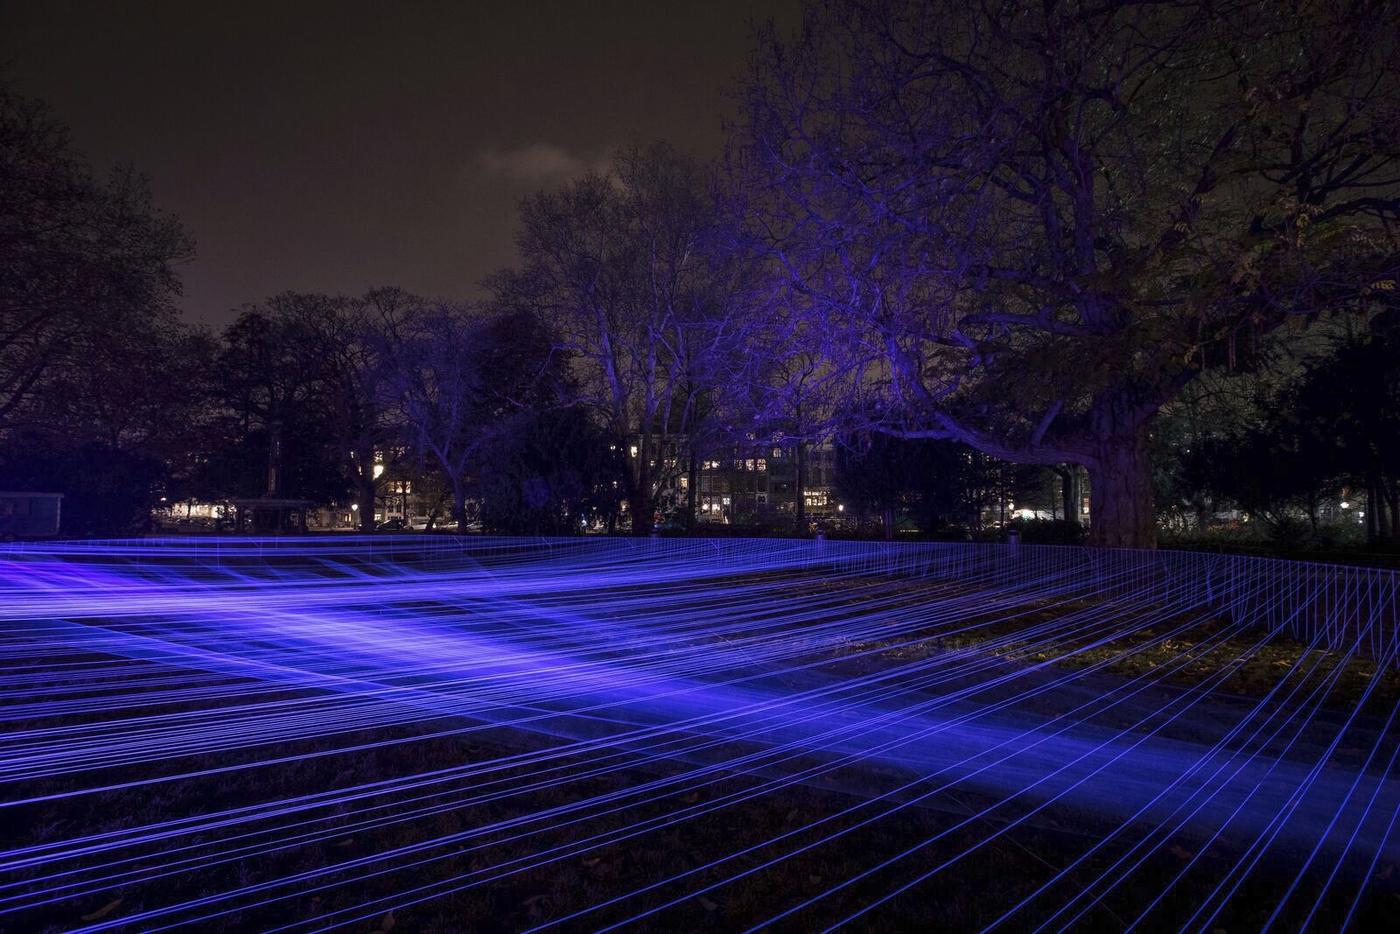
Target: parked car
(392, 525)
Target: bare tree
(1029, 226)
(621, 265)
(463, 376)
(792, 394)
(362, 341)
(442, 391)
(272, 371)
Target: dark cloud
(538, 163)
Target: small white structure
(30, 515)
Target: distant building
(741, 484)
(757, 482)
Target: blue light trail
(302, 734)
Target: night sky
(339, 146)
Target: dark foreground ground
(702, 831)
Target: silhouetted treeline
(1308, 454)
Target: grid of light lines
(590, 733)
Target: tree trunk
(692, 489)
(365, 494)
(889, 523)
(799, 488)
(366, 501)
(1069, 491)
(1394, 497)
(274, 458)
(1121, 510)
(1372, 518)
(1385, 525)
(1202, 507)
(639, 499)
(639, 504)
(459, 506)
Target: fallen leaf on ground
(104, 911)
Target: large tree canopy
(1031, 224)
(82, 256)
(625, 267)
(471, 385)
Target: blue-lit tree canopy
(1028, 226)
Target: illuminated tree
(1028, 226)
